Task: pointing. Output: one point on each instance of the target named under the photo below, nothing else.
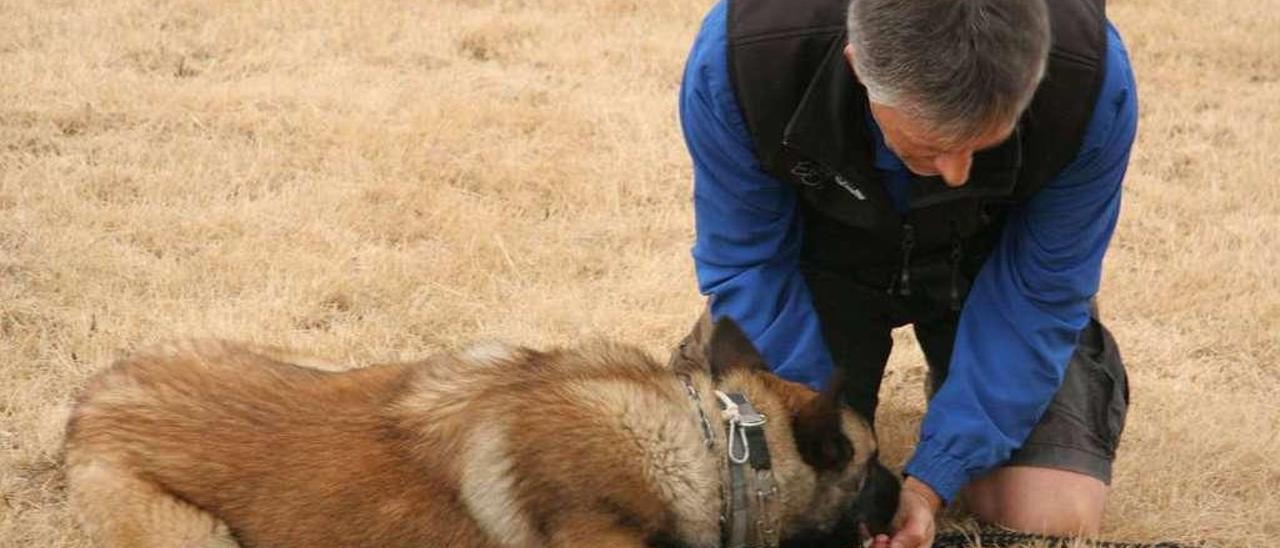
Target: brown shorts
(1081, 429)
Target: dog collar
(749, 490)
(747, 484)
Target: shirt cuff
(940, 471)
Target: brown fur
(494, 446)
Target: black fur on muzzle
(874, 509)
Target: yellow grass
(380, 179)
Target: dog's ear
(700, 335)
(816, 426)
(690, 356)
(730, 349)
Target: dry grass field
(382, 179)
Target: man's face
(925, 152)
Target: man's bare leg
(1039, 500)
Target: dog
(492, 446)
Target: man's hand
(913, 525)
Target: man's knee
(1039, 500)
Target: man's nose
(954, 168)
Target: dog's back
(597, 445)
(163, 436)
(492, 446)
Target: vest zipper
(957, 254)
(903, 279)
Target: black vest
(806, 113)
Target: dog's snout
(878, 500)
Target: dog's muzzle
(878, 500)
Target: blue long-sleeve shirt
(1021, 320)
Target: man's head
(947, 78)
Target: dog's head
(824, 455)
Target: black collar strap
(749, 490)
(747, 484)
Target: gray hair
(958, 65)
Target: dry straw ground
(382, 179)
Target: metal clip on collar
(750, 522)
(740, 415)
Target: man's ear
(730, 349)
(816, 427)
(849, 56)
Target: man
(953, 164)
